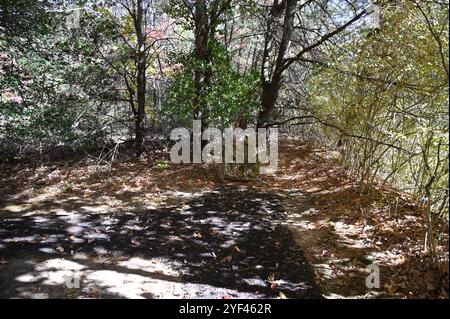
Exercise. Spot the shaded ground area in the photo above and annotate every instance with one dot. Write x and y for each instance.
(152, 229)
(223, 243)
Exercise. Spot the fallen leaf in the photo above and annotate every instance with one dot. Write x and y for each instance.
(135, 242)
(271, 277)
(197, 235)
(227, 258)
(214, 232)
(281, 295)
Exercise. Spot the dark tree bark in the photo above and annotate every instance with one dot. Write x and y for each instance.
(271, 76)
(281, 22)
(202, 53)
(205, 15)
(141, 79)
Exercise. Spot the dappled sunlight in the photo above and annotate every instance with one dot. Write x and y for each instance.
(156, 265)
(24, 239)
(353, 235)
(280, 234)
(53, 272)
(224, 149)
(131, 286)
(198, 248)
(342, 230)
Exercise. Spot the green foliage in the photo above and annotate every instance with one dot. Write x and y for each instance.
(52, 86)
(231, 96)
(387, 100)
(162, 165)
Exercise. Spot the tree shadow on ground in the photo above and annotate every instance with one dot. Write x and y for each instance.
(223, 243)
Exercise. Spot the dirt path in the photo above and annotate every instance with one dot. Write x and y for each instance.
(228, 242)
(140, 231)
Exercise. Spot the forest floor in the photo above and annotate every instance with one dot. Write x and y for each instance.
(150, 229)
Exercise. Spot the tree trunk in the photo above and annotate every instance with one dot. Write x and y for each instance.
(270, 93)
(272, 75)
(141, 80)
